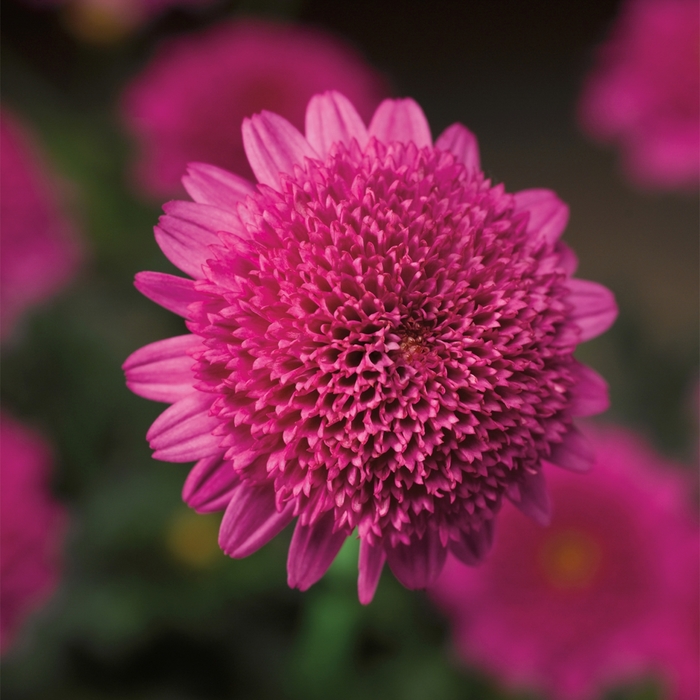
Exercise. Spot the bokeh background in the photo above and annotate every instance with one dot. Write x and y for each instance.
(147, 606)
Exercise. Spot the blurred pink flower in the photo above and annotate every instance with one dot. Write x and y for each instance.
(189, 102)
(32, 526)
(645, 92)
(606, 594)
(380, 339)
(39, 250)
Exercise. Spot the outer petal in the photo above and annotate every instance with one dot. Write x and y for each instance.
(573, 453)
(548, 214)
(594, 305)
(418, 564)
(312, 550)
(251, 520)
(567, 258)
(187, 231)
(210, 484)
(370, 567)
(590, 394)
(172, 293)
(183, 432)
(273, 146)
(401, 120)
(459, 141)
(162, 371)
(210, 218)
(331, 118)
(208, 184)
(531, 497)
(474, 545)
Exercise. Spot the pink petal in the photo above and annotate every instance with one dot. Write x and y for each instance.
(567, 258)
(530, 495)
(594, 305)
(162, 371)
(589, 396)
(331, 118)
(400, 120)
(474, 545)
(459, 141)
(172, 293)
(251, 520)
(372, 558)
(418, 564)
(210, 484)
(273, 146)
(186, 233)
(548, 214)
(183, 432)
(573, 453)
(312, 550)
(208, 184)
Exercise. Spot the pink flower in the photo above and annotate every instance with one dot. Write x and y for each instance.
(603, 596)
(380, 339)
(31, 527)
(39, 251)
(188, 103)
(645, 92)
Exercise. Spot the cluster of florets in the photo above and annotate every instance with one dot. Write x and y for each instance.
(387, 342)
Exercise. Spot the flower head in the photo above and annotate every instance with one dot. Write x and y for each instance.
(39, 251)
(645, 92)
(189, 102)
(603, 596)
(31, 526)
(380, 339)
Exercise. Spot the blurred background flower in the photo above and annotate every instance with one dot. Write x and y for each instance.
(147, 606)
(32, 526)
(600, 597)
(40, 250)
(644, 92)
(190, 101)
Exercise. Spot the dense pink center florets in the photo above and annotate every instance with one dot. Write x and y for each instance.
(388, 342)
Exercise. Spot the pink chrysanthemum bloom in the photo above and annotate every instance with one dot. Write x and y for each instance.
(39, 251)
(381, 339)
(187, 104)
(603, 596)
(645, 92)
(31, 526)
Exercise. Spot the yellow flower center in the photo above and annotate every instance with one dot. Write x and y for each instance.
(570, 559)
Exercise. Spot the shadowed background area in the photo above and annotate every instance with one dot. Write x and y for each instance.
(148, 607)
